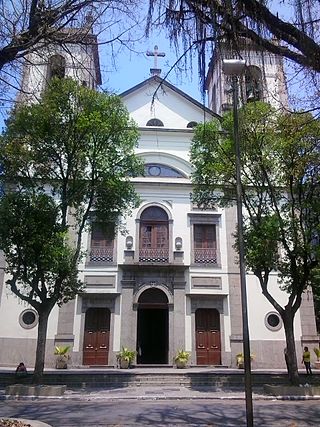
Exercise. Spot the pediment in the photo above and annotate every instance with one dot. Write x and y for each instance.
(156, 101)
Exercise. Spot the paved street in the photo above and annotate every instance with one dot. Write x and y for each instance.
(168, 403)
(70, 413)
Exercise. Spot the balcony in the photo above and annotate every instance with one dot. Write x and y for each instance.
(157, 255)
(101, 256)
(205, 256)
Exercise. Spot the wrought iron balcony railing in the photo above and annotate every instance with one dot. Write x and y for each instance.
(160, 255)
(101, 255)
(205, 256)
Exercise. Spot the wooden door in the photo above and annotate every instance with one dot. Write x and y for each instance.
(208, 343)
(96, 336)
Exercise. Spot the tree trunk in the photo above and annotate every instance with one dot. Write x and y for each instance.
(41, 346)
(291, 347)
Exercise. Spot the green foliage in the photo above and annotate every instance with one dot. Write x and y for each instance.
(126, 354)
(240, 358)
(261, 237)
(182, 356)
(81, 143)
(39, 259)
(280, 175)
(213, 154)
(62, 351)
(280, 156)
(68, 160)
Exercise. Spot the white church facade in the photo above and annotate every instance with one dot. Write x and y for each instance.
(173, 281)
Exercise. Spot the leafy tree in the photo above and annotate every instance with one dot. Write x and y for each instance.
(41, 264)
(280, 193)
(75, 148)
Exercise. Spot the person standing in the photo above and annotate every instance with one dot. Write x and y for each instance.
(306, 360)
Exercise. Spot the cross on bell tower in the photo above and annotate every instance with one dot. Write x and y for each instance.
(155, 71)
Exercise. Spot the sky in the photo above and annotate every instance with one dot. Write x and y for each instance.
(132, 68)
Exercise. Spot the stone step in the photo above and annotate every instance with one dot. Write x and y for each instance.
(132, 378)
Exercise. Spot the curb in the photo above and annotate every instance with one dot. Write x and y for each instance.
(153, 398)
(31, 423)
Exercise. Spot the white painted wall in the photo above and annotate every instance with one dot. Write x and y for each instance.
(166, 106)
(259, 307)
(11, 308)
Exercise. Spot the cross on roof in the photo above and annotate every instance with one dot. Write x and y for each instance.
(155, 71)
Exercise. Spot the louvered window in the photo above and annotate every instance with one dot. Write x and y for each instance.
(101, 246)
(205, 244)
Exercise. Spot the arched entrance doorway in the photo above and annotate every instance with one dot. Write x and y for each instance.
(96, 336)
(208, 342)
(152, 327)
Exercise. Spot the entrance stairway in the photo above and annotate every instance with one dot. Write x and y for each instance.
(191, 377)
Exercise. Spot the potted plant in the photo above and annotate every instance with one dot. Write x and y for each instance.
(125, 357)
(240, 359)
(62, 356)
(181, 358)
(317, 353)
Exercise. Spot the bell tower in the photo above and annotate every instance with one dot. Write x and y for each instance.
(73, 54)
(263, 78)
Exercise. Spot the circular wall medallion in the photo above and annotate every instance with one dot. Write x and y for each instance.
(28, 319)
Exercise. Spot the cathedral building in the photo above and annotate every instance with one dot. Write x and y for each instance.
(173, 281)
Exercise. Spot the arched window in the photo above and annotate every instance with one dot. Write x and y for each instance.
(154, 235)
(56, 67)
(192, 125)
(158, 170)
(253, 84)
(154, 122)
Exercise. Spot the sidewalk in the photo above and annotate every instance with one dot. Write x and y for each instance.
(160, 391)
(155, 393)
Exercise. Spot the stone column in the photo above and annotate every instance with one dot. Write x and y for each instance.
(177, 317)
(2, 267)
(65, 334)
(234, 286)
(309, 337)
(128, 330)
